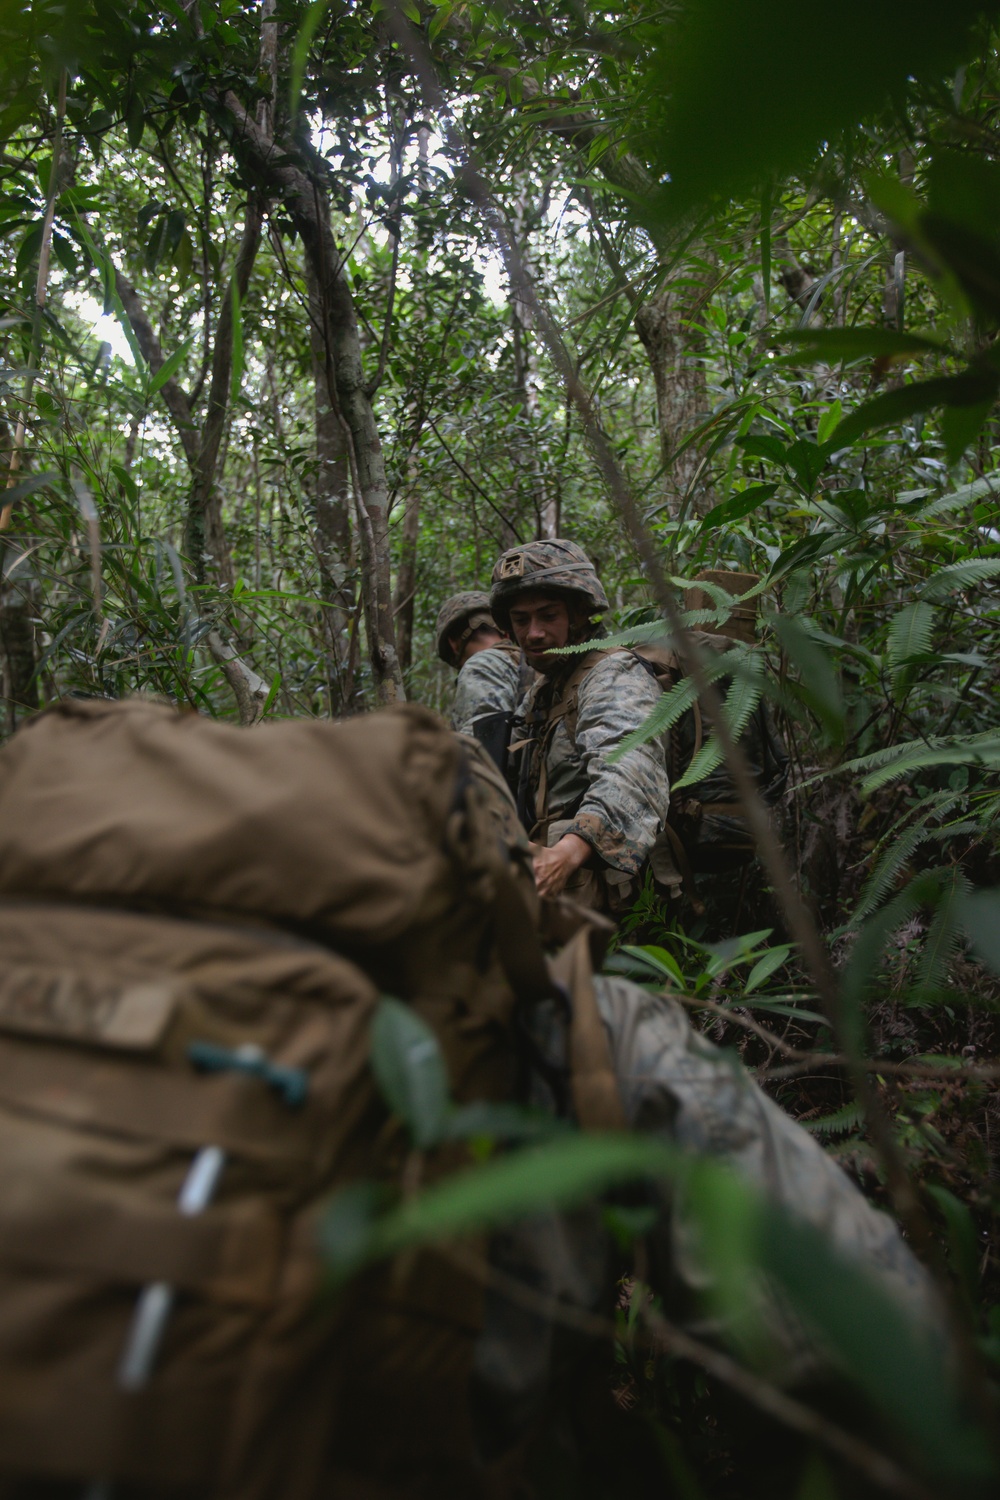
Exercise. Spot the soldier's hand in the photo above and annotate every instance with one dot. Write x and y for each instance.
(553, 867)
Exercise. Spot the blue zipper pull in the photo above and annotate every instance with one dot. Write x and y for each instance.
(291, 1083)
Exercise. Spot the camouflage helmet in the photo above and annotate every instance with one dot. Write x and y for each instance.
(471, 611)
(559, 566)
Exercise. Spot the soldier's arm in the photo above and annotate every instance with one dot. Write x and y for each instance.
(626, 803)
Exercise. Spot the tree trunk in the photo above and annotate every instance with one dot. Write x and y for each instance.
(20, 604)
(331, 499)
(681, 394)
(406, 575)
(251, 691)
(525, 217)
(305, 203)
(204, 531)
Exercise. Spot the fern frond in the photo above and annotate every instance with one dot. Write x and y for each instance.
(910, 634)
(849, 1117)
(975, 751)
(664, 716)
(741, 700)
(961, 575)
(941, 941)
(945, 505)
(883, 877)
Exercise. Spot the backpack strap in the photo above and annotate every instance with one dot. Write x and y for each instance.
(597, 1100)
(564, 709)
(594, 1084)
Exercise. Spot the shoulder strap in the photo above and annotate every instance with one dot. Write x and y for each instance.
(563, 708)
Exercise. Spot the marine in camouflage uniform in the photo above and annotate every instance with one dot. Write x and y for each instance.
(492, 677)
(567, 785)
(677, 1086)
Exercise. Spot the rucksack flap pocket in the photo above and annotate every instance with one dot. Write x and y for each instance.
(70, 1005)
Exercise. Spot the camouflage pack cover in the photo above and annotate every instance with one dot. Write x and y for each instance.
(557, 565)
(471, 609)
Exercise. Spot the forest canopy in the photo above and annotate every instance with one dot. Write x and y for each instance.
(312, 309)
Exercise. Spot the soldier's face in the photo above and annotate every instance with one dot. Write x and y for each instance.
(540, 624)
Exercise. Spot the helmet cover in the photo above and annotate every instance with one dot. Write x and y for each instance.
(470, 610)
(552, 566)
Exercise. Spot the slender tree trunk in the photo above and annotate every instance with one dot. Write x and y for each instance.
(20, 606)
(406, 574)
(331, 500)
(304, 202)
(526, 216)
(681, 394)
(204, 531)
(250, 691)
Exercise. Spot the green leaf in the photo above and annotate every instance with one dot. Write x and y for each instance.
(765, 245)
(882, 879)
(300, 52)
(829, 344)
(819, 684)
(407, 1062)
(828, 422)
(169, 368)
(897, 1360)
(741, 93)
(963, 1241)
(671, 707)
(979, 750)
(968, 494)
(135, 119)
(806, 551)
(559, 1174)
(773, 960)
(970, 389)
(103, 263)
(439, 22)
(941, 939)
(27, 486)
(849, 1117)
(737, 506)
(962, 575)
(655, 961)
(979, 914)
(961, 425)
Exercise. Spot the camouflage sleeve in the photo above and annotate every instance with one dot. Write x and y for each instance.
(487, 684)
(625, 806)
(674, 1082)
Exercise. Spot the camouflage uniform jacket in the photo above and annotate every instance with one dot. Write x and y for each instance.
(489, 683)
(619, 809)
(677, 1085)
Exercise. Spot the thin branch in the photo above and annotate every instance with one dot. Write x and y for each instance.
(383, 353)
(784, 1408)
(177, 401)
(476, 486)
(674, 1341)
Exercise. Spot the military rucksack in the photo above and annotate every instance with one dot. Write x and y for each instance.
(196, 922)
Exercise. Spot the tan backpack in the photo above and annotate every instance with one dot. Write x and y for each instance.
(195, 925)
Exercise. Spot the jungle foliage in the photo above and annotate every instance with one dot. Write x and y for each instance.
(269, 394)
